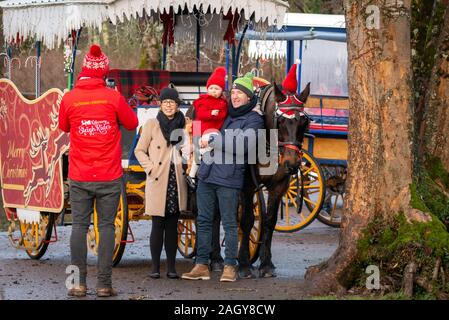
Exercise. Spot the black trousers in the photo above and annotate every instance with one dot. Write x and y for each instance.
(164, 231)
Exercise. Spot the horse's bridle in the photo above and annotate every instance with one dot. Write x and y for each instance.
(281, 110)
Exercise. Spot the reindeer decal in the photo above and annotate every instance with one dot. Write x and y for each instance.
(44, 172)
(39, 145)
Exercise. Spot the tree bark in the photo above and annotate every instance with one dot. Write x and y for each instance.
(436, 116)
(380, 131)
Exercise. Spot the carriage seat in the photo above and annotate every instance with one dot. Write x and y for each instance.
(328, 113)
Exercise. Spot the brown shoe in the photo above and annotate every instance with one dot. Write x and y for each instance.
(199, 272)
(229, 274)
(80, 291)
(106, 292)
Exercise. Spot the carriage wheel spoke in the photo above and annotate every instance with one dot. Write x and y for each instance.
(310, 201)
(293, 200)
(335, 204)
(307, 182)
(307, 171)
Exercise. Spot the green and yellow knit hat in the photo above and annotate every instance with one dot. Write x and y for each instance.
(245, 84)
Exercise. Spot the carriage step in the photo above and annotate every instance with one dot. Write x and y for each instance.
(130, 231)
(55, 237)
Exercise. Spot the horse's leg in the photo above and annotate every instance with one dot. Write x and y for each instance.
(266, 267)
(246, 224)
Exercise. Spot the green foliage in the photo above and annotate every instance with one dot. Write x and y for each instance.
(432, 236)
(383, 240)
(436, 170)
(393, 243)
(416, 201)
(429, 193)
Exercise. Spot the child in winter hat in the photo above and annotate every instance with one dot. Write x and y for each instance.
(210, 113)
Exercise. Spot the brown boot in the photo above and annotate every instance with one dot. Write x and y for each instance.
(229, 274)
(106, 292)
(199, 272)
(80, 291)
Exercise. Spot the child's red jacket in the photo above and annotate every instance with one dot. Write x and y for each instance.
(203, 112)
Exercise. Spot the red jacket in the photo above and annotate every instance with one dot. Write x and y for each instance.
(203, 112)
(91, 112)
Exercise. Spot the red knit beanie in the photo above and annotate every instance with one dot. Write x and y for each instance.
(290, 83)
(217, 78)
(95, 64)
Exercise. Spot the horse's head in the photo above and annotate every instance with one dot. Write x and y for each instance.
(291, 121)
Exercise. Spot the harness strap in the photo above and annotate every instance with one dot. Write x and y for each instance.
(264, 95)
(300, 196)
(292, 146)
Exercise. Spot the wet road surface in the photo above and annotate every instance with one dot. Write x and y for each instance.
(23, 278)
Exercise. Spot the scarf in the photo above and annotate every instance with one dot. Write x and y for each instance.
(242, 110)
(168, 125)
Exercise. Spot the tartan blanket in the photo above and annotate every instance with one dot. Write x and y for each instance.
(127, 81)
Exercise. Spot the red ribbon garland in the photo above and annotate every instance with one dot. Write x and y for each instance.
(169, 28)
(232, 26)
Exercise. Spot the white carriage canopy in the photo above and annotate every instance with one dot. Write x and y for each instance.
(52, 21)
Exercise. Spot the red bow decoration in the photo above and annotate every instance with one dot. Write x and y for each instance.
(169, 27)
(232, 26)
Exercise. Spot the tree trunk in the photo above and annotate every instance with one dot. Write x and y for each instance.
(380, 130)
(436, 117)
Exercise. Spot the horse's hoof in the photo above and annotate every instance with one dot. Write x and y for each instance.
(245, 273)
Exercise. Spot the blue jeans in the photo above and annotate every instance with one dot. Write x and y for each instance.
(228, 198)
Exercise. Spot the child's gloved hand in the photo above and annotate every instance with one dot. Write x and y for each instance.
(215, 112)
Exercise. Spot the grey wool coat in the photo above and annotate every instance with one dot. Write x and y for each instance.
(155, 157)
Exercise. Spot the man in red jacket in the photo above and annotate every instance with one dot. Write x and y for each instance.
(92, 113)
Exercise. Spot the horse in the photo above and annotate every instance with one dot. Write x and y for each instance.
(284, 113)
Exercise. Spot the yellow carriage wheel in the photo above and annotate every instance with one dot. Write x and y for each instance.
(289, 220)
(187, 238)
(256, 233)
(121, 230)
(35, 237)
